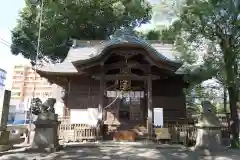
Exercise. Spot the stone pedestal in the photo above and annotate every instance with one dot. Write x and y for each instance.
(209, 138)
(4, 141)
(4, 134)
(208, 133)
(46, 133)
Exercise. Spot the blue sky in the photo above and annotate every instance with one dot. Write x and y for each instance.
(9, 10)
(8, 14)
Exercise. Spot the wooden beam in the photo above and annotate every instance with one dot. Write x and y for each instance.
(130, 64)
(126, 77)
(159, 65)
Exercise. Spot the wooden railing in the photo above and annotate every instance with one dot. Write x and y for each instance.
(187, 133)
(180, 131)
(77, 132)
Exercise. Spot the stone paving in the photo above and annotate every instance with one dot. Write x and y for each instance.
(116, 153)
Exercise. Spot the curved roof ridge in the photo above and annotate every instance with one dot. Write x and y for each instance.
(129, 38)
(151, 47)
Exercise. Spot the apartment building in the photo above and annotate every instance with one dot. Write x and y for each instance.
(24, 81)
(2, 84)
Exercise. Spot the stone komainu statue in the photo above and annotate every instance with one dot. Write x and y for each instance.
(38, 107)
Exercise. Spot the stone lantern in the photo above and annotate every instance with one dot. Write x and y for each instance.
(208, 130)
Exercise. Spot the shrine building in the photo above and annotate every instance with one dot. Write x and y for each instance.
(123, 78)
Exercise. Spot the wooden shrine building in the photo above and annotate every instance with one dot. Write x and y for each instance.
(124, 78)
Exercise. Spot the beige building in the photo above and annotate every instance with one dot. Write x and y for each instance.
(24, 81)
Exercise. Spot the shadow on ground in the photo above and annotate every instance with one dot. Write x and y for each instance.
(75, 153)
(117, 153)
(178, 154)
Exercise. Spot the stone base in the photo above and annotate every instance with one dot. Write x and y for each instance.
(45, 137)
(208, 141)
(4, 141)
(4, 137)
(5, 147)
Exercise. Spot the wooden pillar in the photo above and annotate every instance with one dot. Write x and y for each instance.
(66, 98)
(101, 96)
(149, 105)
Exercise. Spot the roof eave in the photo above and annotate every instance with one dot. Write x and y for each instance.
(41, 72)
(97, 58)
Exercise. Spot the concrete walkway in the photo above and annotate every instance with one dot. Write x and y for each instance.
(117, 153)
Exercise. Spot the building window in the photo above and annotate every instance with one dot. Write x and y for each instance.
(15, 98)
(16, 93)
(15, 88)
(19, 73)
(45, 94)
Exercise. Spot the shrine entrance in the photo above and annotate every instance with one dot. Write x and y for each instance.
(128, 109)
(127, 114)
(124, 109)
(126, 79)
(128, 65)
(125, 70)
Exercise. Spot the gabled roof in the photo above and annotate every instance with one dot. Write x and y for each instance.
(87, 51)
(125, 40)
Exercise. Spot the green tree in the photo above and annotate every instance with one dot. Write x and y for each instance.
(79, 19)
(165, 11)
(214, 24)
(185, 54)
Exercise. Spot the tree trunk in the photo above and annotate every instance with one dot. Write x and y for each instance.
(233, 99)
(225, 99)
(225, 105)
(231, 72)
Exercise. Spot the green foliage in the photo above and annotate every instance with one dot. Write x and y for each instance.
(214, 25)
(79, 19)
(164, 34)
(153, 35)
(194, 110)
(220, 108)
(166, 11)
(168, 35)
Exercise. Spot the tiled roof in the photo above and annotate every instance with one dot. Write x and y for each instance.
(85, 51)
(64, 67)
(129, 38)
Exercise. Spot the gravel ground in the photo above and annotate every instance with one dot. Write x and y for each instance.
(118, 153)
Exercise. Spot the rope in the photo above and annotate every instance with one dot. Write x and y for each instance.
(111, 102)
(109, 105)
